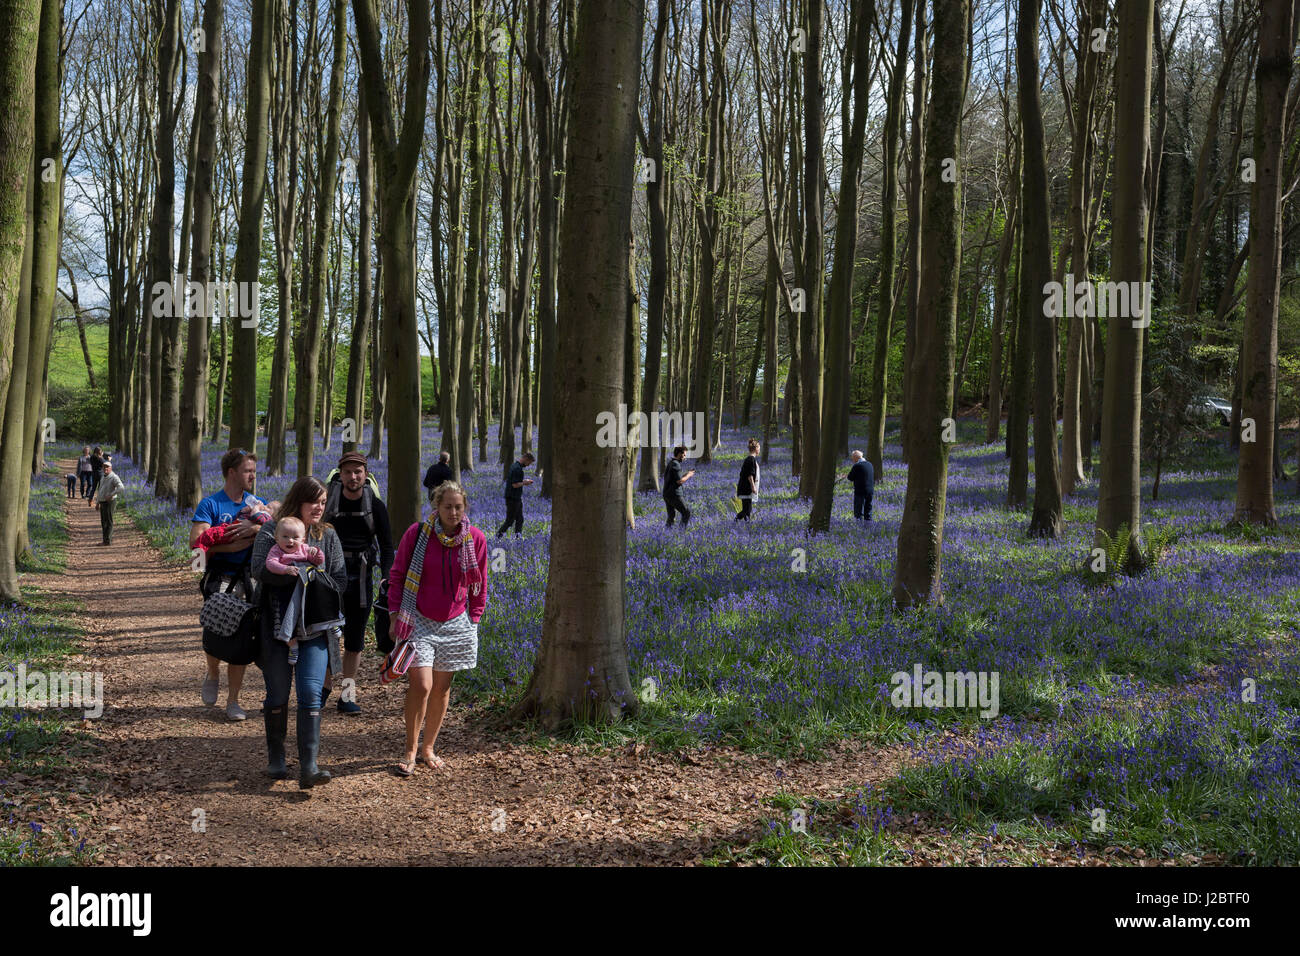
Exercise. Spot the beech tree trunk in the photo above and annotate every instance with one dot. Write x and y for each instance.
(581, 671)
(1035, 273)
(248, 250)
(839, 314)
(1263, 281)
(877, 407)
(396, 160)
(1119, 496)
(917, 576)
(309, 347)
(194, 397)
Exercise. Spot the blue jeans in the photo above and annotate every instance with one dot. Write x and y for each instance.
(83, 487)
(313, 657)
(862, 506)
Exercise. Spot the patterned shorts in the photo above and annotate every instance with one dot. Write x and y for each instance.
(445, 645)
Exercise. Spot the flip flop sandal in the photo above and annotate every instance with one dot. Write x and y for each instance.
(430, 764)
(406, 768)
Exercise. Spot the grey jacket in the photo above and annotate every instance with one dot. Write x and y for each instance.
(275, 596)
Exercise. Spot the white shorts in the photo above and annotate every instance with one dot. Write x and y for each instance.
(445, 645)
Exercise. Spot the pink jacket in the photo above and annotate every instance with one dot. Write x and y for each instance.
(443, 592)
(282, 562)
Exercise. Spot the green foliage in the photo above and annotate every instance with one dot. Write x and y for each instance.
(80, 413)
(1152, 545)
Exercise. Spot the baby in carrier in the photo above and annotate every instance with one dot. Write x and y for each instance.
(289, 553)
(216, 535)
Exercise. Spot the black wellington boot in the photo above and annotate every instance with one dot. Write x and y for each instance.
(277, 728)
(309, 775)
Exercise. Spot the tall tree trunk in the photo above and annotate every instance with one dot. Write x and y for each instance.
(712, 179)
(811, 353)
(223, 370)
(19, 30)
(876, 409)
(656, 212)
(304, 416)
(166, 15)
(839, 312)
(396, 160)
(1119, 496)
(538, 56)
(1006, 247)
(47, 206)
(1074, 432)
(1035, 273)
(478, 169)
(13, 471)
(631, 381)
(359, 346)
(194, 400)
(248, 249)
(1021, 377)
(915, 217)
(917, 577)
(581, 671)
(1263, 281)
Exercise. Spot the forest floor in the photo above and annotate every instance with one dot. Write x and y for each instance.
(175, 783)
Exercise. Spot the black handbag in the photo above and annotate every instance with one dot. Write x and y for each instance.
(230, 626)
(379, 616)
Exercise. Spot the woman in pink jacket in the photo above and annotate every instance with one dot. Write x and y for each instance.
(437, 592)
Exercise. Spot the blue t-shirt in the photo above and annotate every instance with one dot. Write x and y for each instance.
(219, 508)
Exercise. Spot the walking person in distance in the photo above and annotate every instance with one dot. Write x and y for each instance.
(862, 478)
(673, 481)
(438, 472)
(514, 494)
(748, 483)
(105, 500)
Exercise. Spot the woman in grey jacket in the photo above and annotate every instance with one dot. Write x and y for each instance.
(306, 501)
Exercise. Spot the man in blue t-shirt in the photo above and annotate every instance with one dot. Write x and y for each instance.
(226, 560)
(863, 478)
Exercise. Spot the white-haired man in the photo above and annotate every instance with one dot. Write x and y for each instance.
(863, 479)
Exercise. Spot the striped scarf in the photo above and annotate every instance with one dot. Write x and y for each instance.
(403, 624)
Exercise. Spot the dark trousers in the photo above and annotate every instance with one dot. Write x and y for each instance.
(746, 509)
(356, 615)
(106, 518)
(84, 483)
(674, 504)
(862, 506)
(514, 515)
(308, 674)
(94, 483)
(72, 486)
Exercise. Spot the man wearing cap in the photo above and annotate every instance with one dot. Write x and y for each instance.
(361, 521)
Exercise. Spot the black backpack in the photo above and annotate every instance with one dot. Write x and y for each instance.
(369, 492)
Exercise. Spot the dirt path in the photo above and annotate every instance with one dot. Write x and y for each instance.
(165, 756)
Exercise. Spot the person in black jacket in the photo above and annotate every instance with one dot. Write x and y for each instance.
(514, 495)
(438, 472)
(673, 481)
(747, 485)
(96, 472)
(361, 521)
(863, 479)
